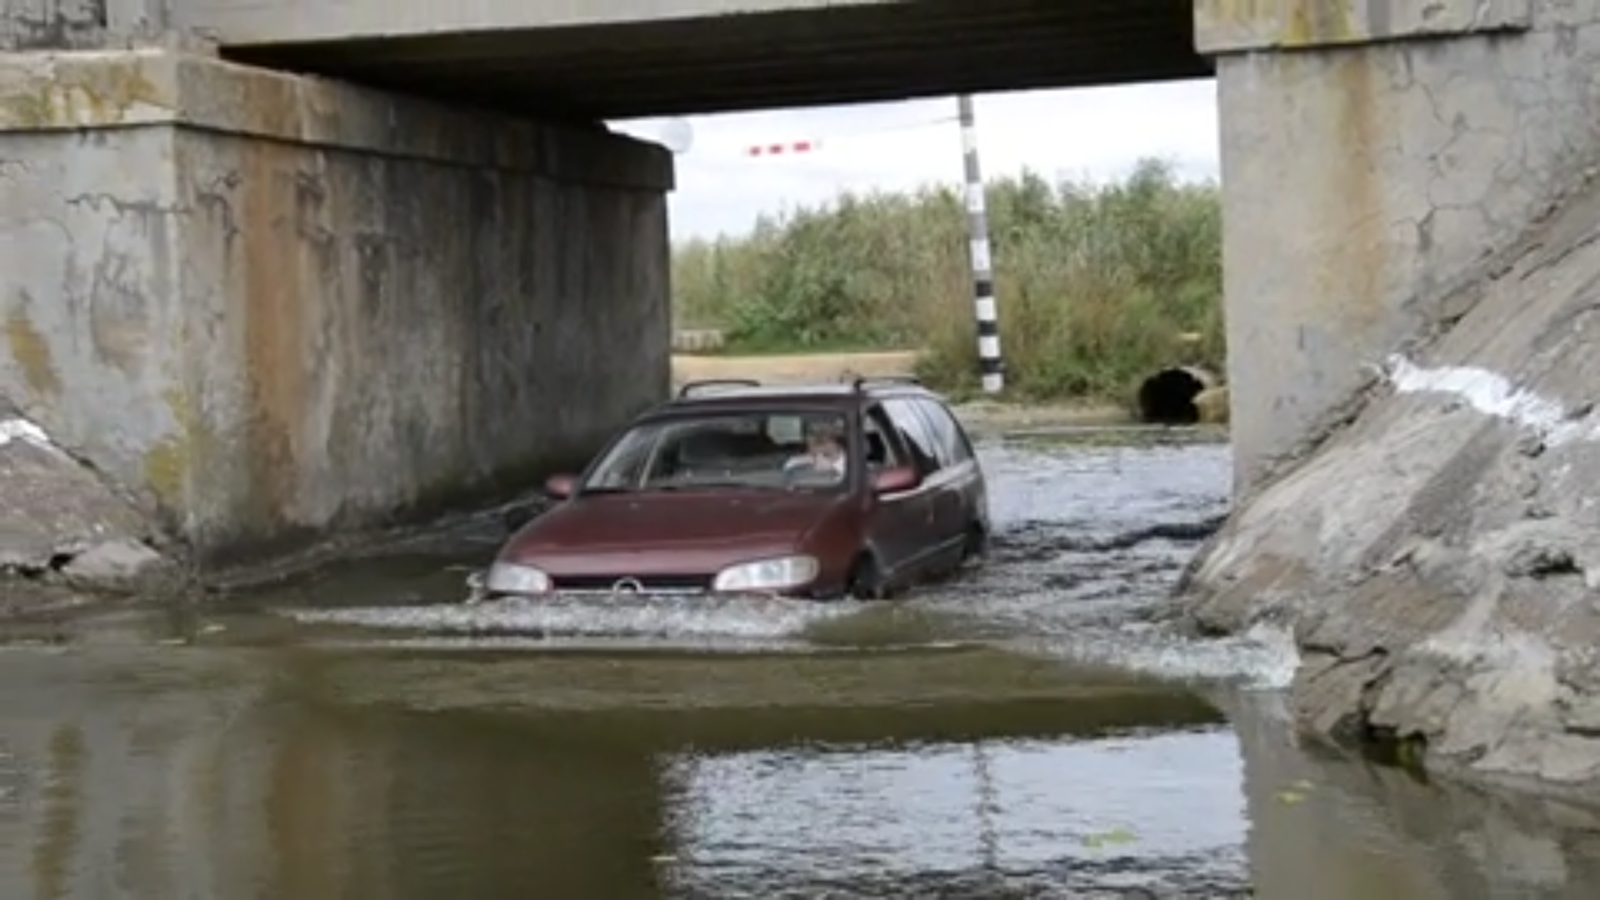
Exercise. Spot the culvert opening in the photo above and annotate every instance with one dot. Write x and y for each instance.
(1167, 397)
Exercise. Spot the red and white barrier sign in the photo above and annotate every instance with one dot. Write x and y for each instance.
(782, 149)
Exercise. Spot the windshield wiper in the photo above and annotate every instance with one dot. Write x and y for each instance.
(715, 486)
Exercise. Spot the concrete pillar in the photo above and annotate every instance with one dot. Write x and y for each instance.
(1373, 155)
(280, 305)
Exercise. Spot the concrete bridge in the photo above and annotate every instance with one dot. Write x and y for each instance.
(293, 265)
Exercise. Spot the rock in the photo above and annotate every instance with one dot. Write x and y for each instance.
(1439, 558)
(1213, 405)
(60, 522)
(119, 565)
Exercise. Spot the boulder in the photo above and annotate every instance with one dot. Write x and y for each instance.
(1213, 405)
(1438, 558)
(60, 522)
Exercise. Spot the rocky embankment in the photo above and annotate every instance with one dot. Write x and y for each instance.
(1439, 556)
(62, 526)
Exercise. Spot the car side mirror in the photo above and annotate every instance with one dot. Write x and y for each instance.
(559, 487)
(894, 480)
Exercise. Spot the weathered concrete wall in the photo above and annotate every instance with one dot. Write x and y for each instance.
(84, 24)
(1372, 152)
(283, 305)
(1439, 558)
(30, 24)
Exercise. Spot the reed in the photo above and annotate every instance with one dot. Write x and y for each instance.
(1098, 284)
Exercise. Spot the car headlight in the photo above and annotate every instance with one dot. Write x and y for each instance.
(514, 578)
(767, 574)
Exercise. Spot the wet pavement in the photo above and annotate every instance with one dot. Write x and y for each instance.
(1030, 731)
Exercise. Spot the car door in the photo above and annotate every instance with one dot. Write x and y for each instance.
(897, 521)
(942, 529)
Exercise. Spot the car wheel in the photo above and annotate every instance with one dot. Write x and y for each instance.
(867, 581)
(977, 544)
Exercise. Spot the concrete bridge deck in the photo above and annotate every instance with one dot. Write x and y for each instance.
(626, 58)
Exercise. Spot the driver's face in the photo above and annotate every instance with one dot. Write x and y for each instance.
(824, 446)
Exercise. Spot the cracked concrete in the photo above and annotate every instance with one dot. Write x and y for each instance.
(274, 307)
(1364, 181)
(1438, 555)
(55, 24)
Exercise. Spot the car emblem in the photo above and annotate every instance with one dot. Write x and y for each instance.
(627, 586)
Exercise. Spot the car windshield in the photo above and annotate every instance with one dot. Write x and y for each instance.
(767, 449)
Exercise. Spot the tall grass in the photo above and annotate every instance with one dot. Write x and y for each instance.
(1098, 284)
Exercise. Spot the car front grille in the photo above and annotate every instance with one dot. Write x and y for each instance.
(647, 583)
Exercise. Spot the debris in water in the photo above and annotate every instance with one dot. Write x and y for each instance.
(1295, 792)
(1115, 836)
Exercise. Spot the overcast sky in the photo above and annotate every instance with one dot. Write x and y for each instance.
(1094, 132)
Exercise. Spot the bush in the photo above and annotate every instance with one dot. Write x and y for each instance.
(1098, 285)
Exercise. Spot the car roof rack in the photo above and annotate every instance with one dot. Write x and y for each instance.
(691, 387)
(861, 382)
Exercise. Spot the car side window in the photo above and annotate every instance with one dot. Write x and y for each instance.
(947, 430)
(882, 450)
(940, 449)
(918, 436)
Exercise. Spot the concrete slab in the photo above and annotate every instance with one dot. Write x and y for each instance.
(620, 60)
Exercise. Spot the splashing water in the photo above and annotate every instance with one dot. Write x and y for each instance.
(1263, 658)
(639, 616)
(1088, 542)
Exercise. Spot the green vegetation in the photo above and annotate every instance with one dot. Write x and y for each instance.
(1098, 285)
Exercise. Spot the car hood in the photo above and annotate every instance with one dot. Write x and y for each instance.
(690, 533)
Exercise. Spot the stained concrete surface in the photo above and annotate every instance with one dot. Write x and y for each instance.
(1370, 163)
(26, 24)
(274, 307)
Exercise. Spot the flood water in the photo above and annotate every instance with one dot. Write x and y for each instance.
(1026, 732)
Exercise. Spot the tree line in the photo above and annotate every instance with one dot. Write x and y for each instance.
(1099, 284)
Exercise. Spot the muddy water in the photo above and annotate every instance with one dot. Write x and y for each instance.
(1026, 732)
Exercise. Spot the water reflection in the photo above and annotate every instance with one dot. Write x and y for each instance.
(990, 815)
(292, 773)
(1324, 829)
(113, 785)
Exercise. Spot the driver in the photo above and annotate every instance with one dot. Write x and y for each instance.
(824, 451)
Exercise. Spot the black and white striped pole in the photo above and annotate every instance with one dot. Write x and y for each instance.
(990, 364)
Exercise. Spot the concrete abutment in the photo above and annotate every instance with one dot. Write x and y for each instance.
(1411, 277)
(1373, 154)
(278, 306)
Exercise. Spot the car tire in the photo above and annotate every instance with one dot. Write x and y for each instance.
(977, 545)
(866, 580)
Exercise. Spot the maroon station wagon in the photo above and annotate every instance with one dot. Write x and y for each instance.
(856, 489)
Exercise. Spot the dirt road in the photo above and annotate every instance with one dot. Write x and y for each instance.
(782, 368)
